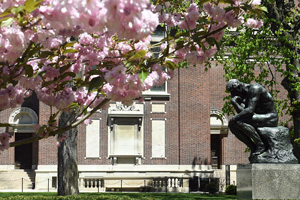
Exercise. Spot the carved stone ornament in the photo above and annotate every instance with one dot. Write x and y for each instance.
(122, 107)
(220, 115)
(22, 119)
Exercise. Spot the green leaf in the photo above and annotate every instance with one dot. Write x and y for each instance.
(170, 64)
(47, 83)
(96, 83)
(28, 70)
(180, 34)
(31, 5)
(7, 22)
(16, 10)
(138, 55)
(95, 72)
(203, 1)
(227, 1)
(143, 75)
(70, 44)
(45, 54)
(6, 12)
(263, 8)
(74, 106)
(33, 51)
(64, 68)
(211, 41)
(70, 51)
(71, 74)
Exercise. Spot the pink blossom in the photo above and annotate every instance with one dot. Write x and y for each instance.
(88, 121)
(253, 23)
(256, 2)
(85, 39)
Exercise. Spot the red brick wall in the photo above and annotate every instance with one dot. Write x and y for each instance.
(233, 151)
(47, 147)
(194, 115)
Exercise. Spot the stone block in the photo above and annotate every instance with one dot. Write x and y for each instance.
(268, 181)
(279, 147)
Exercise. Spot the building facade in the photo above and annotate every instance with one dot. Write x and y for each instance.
(176, 140)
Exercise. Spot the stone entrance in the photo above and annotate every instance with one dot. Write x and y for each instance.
(23, 120)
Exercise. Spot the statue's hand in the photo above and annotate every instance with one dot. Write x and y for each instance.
(233, 119)
(236, 99)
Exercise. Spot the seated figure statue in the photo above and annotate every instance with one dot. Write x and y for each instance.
(255, 124)
(255, 108)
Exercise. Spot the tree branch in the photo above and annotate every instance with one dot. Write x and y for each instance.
(58, 131)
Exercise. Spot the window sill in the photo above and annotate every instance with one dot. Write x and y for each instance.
(156, 95)
(125, 156)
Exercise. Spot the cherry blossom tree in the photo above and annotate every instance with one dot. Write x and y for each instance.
(80, 54)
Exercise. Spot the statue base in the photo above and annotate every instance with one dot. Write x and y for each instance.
(268, 181)
(279, 147)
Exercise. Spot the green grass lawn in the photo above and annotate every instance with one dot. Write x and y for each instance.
(113, 196)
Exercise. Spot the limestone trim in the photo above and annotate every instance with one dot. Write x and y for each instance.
(162, 136)
(93, 140)
(218, 122)
(23, 119)
(158, 108)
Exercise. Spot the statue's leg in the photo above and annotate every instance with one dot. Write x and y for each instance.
(265, 120)
(250, 131)
(238, 132)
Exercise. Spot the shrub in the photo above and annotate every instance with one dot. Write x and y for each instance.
(230, 189)
(211, 188)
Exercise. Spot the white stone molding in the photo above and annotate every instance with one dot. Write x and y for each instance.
(218, 122)
(22, 120)
(118, 109)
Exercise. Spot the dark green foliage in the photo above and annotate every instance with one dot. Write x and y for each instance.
(75, 197)
(230, 189)
(212, 188)
(113, 196)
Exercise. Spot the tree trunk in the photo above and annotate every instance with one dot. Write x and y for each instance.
(281, 13)
(296, 120)
(67, 160)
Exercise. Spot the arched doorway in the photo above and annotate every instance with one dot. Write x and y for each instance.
(218, 128)
(22, 120)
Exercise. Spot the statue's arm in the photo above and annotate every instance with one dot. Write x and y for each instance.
(253, 95)
(237, 103)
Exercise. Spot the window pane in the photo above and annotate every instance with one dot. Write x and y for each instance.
(161, 88)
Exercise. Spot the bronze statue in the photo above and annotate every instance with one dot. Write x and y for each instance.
(255, 123)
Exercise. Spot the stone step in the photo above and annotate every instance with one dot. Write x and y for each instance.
(16, 179)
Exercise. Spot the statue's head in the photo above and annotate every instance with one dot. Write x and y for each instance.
(234, 85)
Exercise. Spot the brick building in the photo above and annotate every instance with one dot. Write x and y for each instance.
(176, 137)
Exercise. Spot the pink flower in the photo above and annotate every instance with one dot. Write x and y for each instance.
(85, 39)
(253, 23)
(256, 2)
(88, 121)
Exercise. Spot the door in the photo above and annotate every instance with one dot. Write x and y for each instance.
(23, 153)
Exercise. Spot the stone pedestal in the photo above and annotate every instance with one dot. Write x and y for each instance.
(268, 181)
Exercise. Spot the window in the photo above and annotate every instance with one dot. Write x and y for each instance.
(158, 35)
(54, 182)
